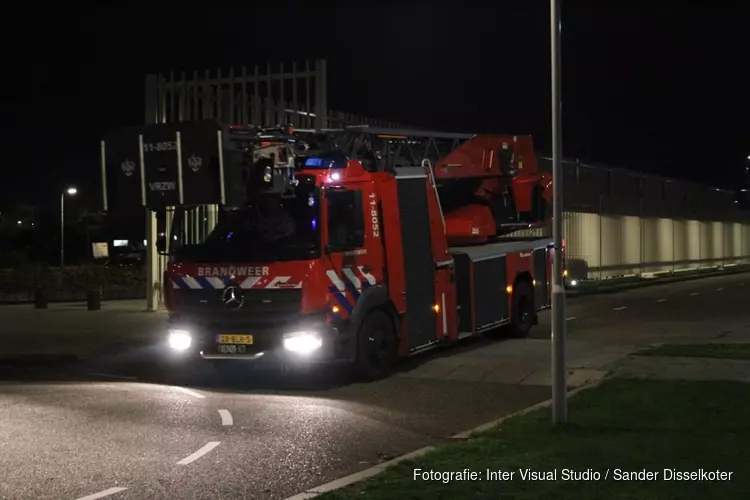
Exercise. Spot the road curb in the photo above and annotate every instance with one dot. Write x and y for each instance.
(377, 469)
(358, 476)
(603, 288)
(543, 404)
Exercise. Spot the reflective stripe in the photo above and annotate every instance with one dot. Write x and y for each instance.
(216, 282)
(369, 277)
(350, 275)
(278, 281)
(191, 283)
(341, 299)
(249, 282)
(340, 285)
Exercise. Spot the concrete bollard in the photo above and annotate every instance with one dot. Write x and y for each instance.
(40, 298)
(93, 300)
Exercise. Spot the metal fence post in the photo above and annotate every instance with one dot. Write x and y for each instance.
(673, 244)
(321, 98)
(151, 116)
(152, 272)
(700, 244)
(600, 215)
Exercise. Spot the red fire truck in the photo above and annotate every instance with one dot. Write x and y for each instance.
(358, 245)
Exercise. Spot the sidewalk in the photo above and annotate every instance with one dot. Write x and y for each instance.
(521, 361)
(708, 367)
(70, 329)
(590, 355)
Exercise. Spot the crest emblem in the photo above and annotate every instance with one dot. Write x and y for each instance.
(128, 167)
(195, 162)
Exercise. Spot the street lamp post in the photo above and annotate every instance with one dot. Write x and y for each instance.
(559, 384)
(70, 191)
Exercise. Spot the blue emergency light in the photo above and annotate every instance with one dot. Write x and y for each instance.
(332, 161)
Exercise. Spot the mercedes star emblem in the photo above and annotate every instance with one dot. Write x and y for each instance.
(233, 297)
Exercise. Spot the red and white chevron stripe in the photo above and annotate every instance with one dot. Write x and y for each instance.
(355, 276)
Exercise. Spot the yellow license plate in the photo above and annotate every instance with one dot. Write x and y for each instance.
(236, 339)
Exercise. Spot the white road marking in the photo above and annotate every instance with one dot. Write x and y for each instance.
(694, 293)
(719, 289)
(103, 494)
(195, 456)
(620, 308)
(109, 375)
(188, 391)
(571, 318)
(662, 300)
(226, 417)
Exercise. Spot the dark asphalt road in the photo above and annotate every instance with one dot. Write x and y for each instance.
(68, 431)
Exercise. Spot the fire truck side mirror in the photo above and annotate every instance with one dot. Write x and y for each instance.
(161, 245)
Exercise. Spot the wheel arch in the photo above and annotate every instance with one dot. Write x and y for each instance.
(524, 277)
(373, 298)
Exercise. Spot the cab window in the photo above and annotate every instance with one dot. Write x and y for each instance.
(346, 222)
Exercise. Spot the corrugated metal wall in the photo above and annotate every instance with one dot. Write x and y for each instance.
(607, 246)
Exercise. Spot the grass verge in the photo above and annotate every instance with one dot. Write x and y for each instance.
(724, 351)
(625, 425)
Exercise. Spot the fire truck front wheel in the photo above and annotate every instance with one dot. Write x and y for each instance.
(376, 346)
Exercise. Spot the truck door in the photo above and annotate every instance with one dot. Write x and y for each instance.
(353, 243)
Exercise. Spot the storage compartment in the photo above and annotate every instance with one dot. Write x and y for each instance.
(464, 288)
(490, 296)
(541, 295)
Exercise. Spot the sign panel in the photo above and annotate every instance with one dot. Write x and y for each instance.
(160, 165)
(123, 171)
(200, 163)
(100, 250)
(161, 182)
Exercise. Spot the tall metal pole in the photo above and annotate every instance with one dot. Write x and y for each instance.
(559, 386)
(62, 230)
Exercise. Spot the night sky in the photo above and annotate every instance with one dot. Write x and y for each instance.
(662, 91)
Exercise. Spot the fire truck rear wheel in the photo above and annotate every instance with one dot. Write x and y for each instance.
(376, 346)
(523, 310)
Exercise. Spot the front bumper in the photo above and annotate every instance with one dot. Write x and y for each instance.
(305, 340)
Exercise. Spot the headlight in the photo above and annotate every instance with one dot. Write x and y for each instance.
(302, 342)
(179, 340)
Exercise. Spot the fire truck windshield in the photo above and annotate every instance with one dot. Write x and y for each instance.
(272, 228)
